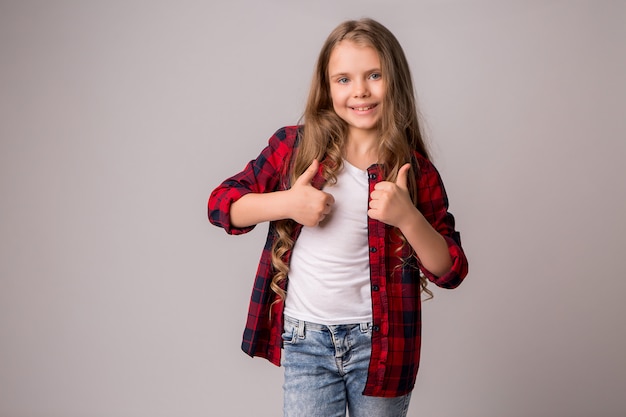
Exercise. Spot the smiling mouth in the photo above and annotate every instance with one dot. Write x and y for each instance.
(365, 108)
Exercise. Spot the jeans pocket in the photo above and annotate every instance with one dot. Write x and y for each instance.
(289, 333)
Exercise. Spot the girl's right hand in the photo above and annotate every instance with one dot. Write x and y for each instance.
(308, 205)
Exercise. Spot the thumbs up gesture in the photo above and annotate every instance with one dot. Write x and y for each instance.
(308, 205)
(390, 202)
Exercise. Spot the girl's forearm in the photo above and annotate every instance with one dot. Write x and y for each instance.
(429, 245)
(302, 202)
(256, 208)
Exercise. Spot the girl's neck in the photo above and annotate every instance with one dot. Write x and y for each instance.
(361, 150)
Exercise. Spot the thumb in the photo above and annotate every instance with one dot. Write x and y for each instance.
(307, 176)
(401, 179)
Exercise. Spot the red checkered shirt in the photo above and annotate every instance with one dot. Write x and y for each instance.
(395, 288)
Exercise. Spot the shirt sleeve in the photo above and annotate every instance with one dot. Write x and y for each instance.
(261, 175)
(433, 204)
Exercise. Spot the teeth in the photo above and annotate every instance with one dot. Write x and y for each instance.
(362, 108)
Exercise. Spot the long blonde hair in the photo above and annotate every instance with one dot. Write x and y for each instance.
(324, 133)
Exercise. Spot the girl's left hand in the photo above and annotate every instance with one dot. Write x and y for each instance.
(390, 202)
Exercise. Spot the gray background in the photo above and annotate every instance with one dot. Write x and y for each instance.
(117, 298)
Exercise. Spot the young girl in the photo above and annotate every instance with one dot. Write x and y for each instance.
(359, 223)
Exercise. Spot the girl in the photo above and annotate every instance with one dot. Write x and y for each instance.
(358, 225)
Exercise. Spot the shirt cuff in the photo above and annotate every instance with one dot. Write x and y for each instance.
(457, 272)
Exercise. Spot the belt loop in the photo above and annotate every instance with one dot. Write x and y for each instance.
(364, 327)
(301, 329)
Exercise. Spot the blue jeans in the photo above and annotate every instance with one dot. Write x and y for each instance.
(326, 369)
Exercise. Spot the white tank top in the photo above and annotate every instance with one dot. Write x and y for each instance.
(329, 275)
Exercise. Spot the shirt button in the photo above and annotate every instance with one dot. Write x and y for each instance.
(372, 249)
(372, 176)
(375, 328)
(375, 287)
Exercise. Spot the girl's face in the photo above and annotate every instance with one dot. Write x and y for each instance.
(357, 88)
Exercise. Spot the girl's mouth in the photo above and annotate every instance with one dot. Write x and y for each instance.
(364, 108)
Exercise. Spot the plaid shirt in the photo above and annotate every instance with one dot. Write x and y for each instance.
(395, 288)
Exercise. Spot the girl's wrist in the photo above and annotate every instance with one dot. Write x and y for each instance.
(411, 221)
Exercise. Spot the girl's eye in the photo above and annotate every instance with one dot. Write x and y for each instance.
(342, 80)
(375, 76)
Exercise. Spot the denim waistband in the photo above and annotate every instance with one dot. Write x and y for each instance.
(302, 324)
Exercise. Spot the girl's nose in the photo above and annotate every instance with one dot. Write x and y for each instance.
(360, 90)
